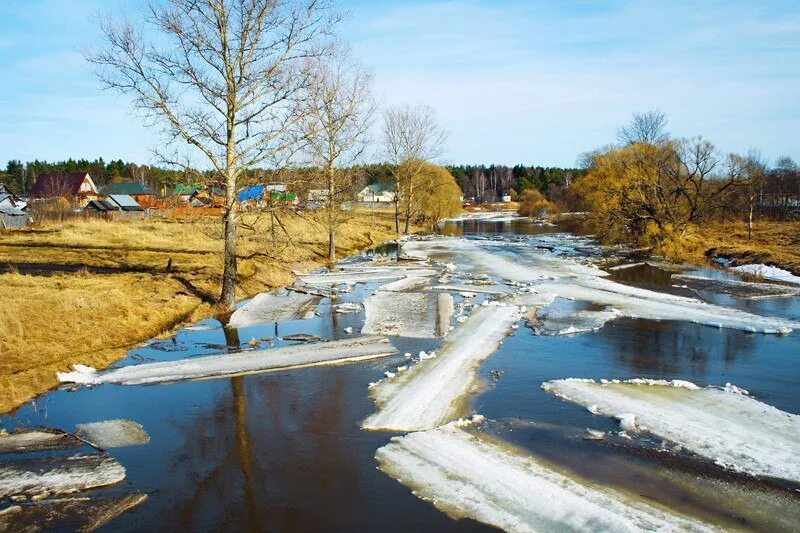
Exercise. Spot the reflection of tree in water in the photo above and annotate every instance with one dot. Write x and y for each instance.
(275, 454)
(671, 349)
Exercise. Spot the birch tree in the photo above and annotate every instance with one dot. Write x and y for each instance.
(411, 138)
(340, 111)
(226, 78)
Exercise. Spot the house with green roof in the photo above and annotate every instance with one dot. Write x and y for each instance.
(377, 192)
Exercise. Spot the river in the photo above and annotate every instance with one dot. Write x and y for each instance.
(284, 451)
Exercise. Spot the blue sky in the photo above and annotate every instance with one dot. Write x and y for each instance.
(513, 81)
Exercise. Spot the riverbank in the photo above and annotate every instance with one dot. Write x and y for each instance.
(773, 243)
(88, 291)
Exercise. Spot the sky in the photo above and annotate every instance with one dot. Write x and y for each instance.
(533, 82)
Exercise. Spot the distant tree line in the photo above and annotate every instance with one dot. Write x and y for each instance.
(492, 182)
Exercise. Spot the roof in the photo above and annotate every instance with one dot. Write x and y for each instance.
(4, 189)
(252, 192)
(128, 187)
(58, 184)
(379, 188)
(12, 211)
(124, 201)
(184, 189)
(100, 205)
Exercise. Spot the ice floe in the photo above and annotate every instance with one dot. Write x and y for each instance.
(59, 475)
(633, 302)
(271, 307)
(431, 392)
(768, 272)
(470, 476)
(305, 355)
(36, 439)
(565, 322)
(67, 513)
(732, 430)
(113, 433)
(408, 314)
(740, 289)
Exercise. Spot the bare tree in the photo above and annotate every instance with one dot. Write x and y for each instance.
(341, 108)
(649, 127)
(411, 138)
(224, 77)
(755, 168)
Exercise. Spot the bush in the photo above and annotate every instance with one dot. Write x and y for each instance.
(533, 204)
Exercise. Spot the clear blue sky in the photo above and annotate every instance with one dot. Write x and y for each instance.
(513, 81)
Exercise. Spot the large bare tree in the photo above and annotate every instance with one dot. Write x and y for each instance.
(412, 137)
(340, 111)
(226, 77)
(649, 127)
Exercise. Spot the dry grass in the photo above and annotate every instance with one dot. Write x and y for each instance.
(86, 291)
(773, 243)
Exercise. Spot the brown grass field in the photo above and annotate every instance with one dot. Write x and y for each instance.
(772, 243)
(88, 290)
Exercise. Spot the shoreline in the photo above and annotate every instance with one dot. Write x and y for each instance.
(160, 302)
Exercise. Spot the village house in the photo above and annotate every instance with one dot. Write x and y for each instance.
(144, 195)
(377, 193)
(75, 187)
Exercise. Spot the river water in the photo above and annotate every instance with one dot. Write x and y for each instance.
(284, 451)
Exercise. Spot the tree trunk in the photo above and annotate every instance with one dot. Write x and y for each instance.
(227, 301)
(750, 219)
(408, 206)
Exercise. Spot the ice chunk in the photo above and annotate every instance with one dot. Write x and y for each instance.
(768, 272)
(469, 476)
(37, 439)
(431, 392)
(740, 289)
(365, 275)
(732, 430)
(298, 356)
(407, 314)
(347, 307)
(564, 322)
(114, 433)
(67, 514)
(271, 307)
(499, 290)
(59, 475)
(634, 302)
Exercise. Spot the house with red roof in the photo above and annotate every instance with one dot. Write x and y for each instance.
(76, 187)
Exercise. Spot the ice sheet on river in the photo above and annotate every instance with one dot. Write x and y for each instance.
(305, 355)
(730, 429)
(36, 439)
(59, 475)
(566, 322)
(408, 314)
(634, 302)
(468, 475)
(114, 433)
(746, 290)
(271, 307)
(365, 275)
(431, 392)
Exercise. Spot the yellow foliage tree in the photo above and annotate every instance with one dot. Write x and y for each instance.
(533, 204)
(436, 196)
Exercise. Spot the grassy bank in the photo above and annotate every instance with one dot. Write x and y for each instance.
(87, 291)
(772, 243)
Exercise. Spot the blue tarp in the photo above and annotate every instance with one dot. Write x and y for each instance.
(252, 192)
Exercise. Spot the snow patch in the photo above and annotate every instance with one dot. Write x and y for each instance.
(768, 272)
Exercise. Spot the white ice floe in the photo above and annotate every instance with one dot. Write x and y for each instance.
(36, 439)
(768, 272)
(565, 322)
(354, 276)
(470, 476)
(271, 307)
(298, 356)
(499, 290)
(347, 307)
(732, 430)
(432, 392)
(113, 433)
(740, 289)
(633, 302)
(408, 314)
(59, 475)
